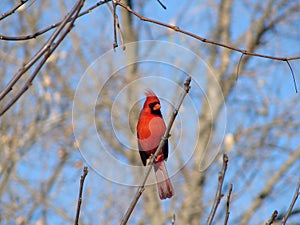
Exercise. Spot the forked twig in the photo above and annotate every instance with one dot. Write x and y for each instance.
(158, 150)
(45, 52)
(52, 26)
(82, 178)
(71, 19)
(205, 40)
(116, 26)
(219, 194)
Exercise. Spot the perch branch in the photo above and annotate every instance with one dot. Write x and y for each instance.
(158, 150)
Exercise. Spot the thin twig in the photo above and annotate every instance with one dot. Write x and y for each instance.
(158, 150)
(177, 29)
(120, 34)
(82, 178)
(238, 68)
(269, 186)
(273, 217)
(228, 205)
(295, 212)
(13, 10)
(42, 55)
(173, 27)
(219, 194)
(162, 5)
(285, 218)
(173, 219)
(115, 44)
(116, 25)
(293, 75)
(52, 26)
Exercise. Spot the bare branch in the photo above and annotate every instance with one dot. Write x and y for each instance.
(293, 75)
(42, 55)
(227, 205)
(219, 194)
(173, 219)
(85, 172)
(177, 29)
(115, 44)
(273, 217)
(158, 150)
(285, 218)
(116, 26)
(293, 213)
(238, 67)
(52, 26)
(162, 5)
(13, 10)
(267, 190)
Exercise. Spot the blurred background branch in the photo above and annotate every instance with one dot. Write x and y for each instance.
(39, 158)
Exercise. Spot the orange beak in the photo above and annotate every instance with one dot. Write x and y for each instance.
(156, 107)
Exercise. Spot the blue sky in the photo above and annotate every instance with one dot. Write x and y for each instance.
(271, 84)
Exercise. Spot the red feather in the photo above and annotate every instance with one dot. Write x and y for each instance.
(150, 128)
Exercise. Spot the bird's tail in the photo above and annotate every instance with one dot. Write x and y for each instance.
(164, 186)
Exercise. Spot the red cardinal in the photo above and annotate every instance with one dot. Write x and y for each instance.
(150, 128)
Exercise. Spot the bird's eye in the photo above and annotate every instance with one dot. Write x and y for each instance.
(151, 105)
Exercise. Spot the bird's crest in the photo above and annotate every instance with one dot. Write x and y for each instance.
(149, 93)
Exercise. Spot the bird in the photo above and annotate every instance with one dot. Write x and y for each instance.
(150, 129)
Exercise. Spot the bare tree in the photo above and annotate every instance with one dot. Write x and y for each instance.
(40, 162)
